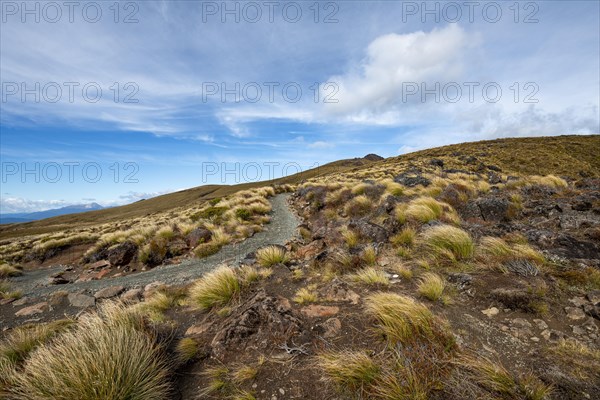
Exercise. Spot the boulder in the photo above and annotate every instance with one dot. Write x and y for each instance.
(310, 250)
(34, 309)
(436, 162)
(109, 292)
(197, 236)
(493, 209)
(81, 300)
(122, 253)
(330, 328)
(369, 230)
(132, 295)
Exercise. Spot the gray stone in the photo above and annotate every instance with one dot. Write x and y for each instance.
(574, 313)
(109, 292)
(34, 309)
(81, 300)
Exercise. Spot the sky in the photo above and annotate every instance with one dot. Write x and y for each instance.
(111, 103)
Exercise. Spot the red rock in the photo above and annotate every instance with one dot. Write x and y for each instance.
(101, 274)
(195, 330)
(317, 311)
(99, 264)
(310, 250)
(34, 309)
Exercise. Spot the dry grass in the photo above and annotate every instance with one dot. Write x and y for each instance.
(578, 359)
(7, 293)
(186, 350)
(306, 295)
(403, 320)
(9, 271)
(448, 241)
(271, 255)
(350, 237)
(216, 288)
(109, 355)
(431, 286)
(369, 255)
(351, 371)
(359, 206)
(370, 276)
(406, 237)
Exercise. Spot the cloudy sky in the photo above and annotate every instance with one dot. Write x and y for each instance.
(112, 104)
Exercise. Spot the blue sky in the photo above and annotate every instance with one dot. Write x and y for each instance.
(371, 60)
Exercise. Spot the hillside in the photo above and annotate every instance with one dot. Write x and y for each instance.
(469, 271)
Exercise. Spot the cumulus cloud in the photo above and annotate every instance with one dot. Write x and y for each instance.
(20, 205)
(375, 86)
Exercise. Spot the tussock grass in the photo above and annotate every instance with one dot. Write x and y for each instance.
(9, 271)
(216, 288)
(243, 373)
(370, 276)
(350, 237)
(404, 271)
(492, 376)
(306, 295)
(248, 275)
(348, 370)
(359, 206)
(450, 242)
(579, 360)
(271, 255)
(403, 320)
(406, 237)
(369, 255)
(186, 350)
(548, 180)
(431, 286)
(109, 355)
(497, 252)
(7, 293)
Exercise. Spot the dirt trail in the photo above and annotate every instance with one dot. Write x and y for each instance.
(281, 229)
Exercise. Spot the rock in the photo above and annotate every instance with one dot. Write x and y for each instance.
(577, 330)
(540, 324)
(150, 288)
(81, 300)
(592, 310)
(99, 264)
(132, 295)
(109, 292)
(594, 296)
(21, 302)
(552, 335)
(582, 206)
(578, 301)
(369, 230)
(490, 312)
(520, 323)
(6, 301)
(331, 327)
(373, 157)
(574, 313)
(197, 236)
(122, 253)
(412, 180)
(494, 178)
(253, 325)
(58, 279)
(339, 291)
(319, 311)
(177, 247)
(436, 162)
(196, 330)
(101, 274)
(461, 280)
(34, 309)
(535, 339)
(493, 209)
(310, 250)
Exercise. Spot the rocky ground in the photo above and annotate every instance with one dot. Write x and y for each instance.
(517, 314)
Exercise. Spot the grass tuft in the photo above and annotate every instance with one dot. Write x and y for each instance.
(449, 241)
(216, 288)
(431, 286)
(272, 255)
(370, 276)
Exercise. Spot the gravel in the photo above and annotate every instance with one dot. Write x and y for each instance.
(281, 229)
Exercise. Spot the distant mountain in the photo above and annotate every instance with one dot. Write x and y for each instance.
(12, 218)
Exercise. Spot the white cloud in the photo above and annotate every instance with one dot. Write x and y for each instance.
(375, 86)
(21, 205)
(319, 144)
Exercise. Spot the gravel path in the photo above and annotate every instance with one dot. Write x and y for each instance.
(281, 229)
